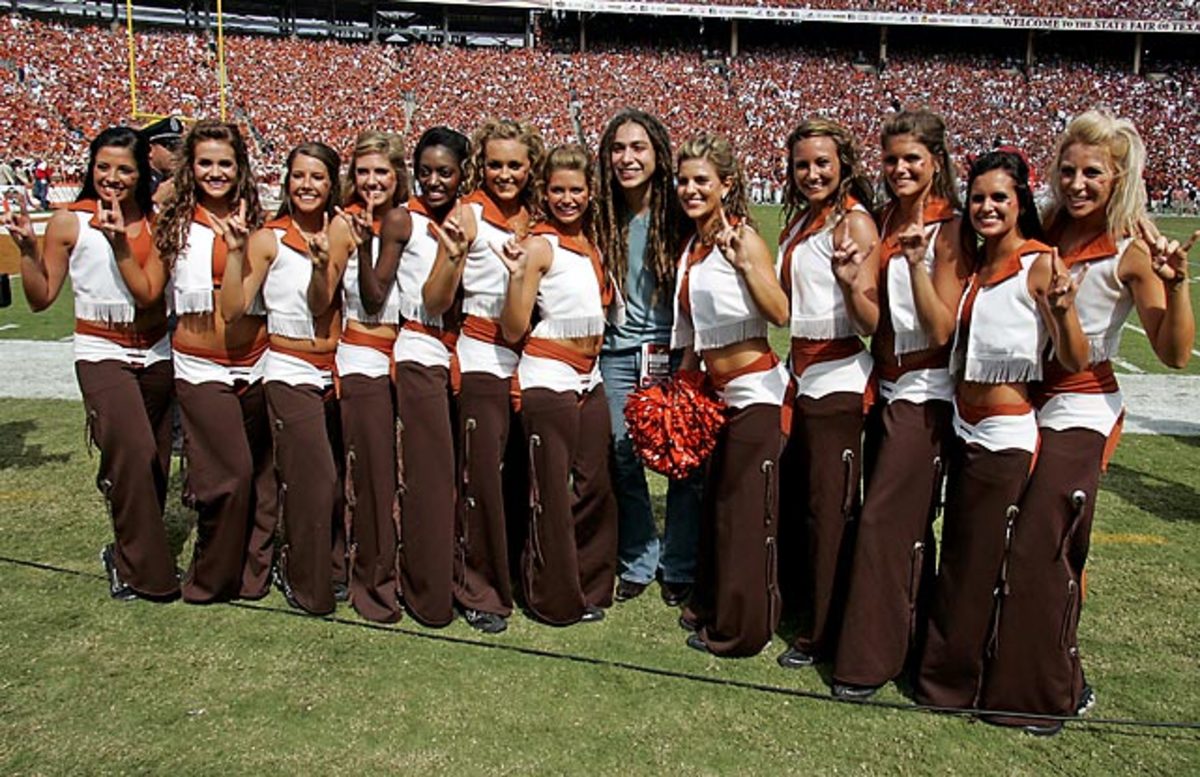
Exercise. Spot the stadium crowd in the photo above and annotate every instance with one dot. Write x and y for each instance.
(1076, 9)
(62, 84)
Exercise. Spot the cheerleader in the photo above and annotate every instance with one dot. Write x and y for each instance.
(505, 157)
(218, 369)
(425, 374)
(828, 264)
(638, 221)
(364, 552)
(726, 293)
(122, 352)
(286, 259)
(1019, 299)
(569, 559)
(1098, 222)
(922, 275)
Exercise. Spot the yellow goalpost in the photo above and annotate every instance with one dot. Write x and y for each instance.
(131, 43)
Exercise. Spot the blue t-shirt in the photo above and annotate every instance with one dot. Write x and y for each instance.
(647, 320)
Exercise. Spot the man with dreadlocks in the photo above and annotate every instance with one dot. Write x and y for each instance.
(638, 224)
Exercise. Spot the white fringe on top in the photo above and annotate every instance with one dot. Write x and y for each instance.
(484, 305)
(297, 327)
(1103, 347)
(998, 370)
(584, 326)
(728, 334)
(823, 328)
(197, 301)
(105, 312)
(910, 342)
(414, 310)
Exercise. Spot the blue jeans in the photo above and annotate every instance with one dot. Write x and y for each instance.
(640, 552)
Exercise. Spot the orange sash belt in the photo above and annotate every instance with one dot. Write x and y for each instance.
(1096, 379)
(124, 337)
(367, 340)
(447, 338)
(806, 353)
(488, 331)
(246, 356)
(550, 349)
(764, 362)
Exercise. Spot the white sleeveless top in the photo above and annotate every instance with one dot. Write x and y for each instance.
(191, 281)
(568, 298)
(818, 305)
(355, 310)
(722, 309)
(416, 262)
(1005, 335)
(902, 309)
(285, 291)
(1103, 302)
(485, 278)
(100, 292)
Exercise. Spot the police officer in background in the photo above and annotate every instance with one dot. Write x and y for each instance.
(164, 138)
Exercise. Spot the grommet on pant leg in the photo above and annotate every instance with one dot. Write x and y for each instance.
(848, 485)
(1002, 589)
(535, 499)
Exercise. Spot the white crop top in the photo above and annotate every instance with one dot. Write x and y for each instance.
(285, 291)
(355, 310)
(569, 299)
(718, 309)
(100, 291)
(1103, 302)
(415, 264)
(818, 307)
(485, 278)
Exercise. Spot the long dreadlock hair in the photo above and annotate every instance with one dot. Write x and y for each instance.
(666, 216)
(171, 236)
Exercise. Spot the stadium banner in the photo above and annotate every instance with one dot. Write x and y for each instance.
(1050, 23)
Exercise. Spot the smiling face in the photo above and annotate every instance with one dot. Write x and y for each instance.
(215, 169)
(908, 166)
(309, 184)
(567, 196)
(816, 169)
(700, 188)
(374, 179)
(992, 204)
(632, 156)
(439, 173)
(1086, 176)
(115, 173)
(506, 167)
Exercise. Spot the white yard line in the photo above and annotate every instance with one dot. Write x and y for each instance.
(1129, 367)
(6, 327)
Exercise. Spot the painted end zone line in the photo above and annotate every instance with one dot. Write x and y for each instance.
(1142, 332)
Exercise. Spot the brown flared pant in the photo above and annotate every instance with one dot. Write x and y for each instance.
(128, 420)
(736, 602)
(981, 514)
(1035, 664)
(427, 492)
(302, 419)
(230, 481)
(570, 557)
(895, 552)
(821, 470)
(369, 432)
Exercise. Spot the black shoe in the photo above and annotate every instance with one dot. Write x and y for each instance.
(592, 614)
(687, 624)
(695, 642)
(1048, 729)
(675, 594)
(117, 588)
(628, 589)
(851, 692)
(487, 622)
(341, 592)
(793, 658)
(1087, 700)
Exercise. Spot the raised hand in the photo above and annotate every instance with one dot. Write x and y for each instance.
(232, 229)
(111, 221)
(1168, 258)
(1060, 295)
(513, 254)
(452, 236)
(360, 223)
(730, 240)
(19, 225)
(318, 244)
(848, 257)
(914, 243)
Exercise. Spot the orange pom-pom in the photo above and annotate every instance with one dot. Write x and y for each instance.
(674, 425)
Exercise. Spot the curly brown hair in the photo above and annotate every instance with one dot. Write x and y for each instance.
(506, 129)
(854, 181)
(569, 156)
(719, 151)
(171, 234)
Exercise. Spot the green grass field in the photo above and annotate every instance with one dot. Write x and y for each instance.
(89, 685)
(57, 322)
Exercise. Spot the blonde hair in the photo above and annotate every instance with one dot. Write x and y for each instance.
(389, 145)
(1127, 155)
(718, 151)
(569, 156)
(506, 129)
